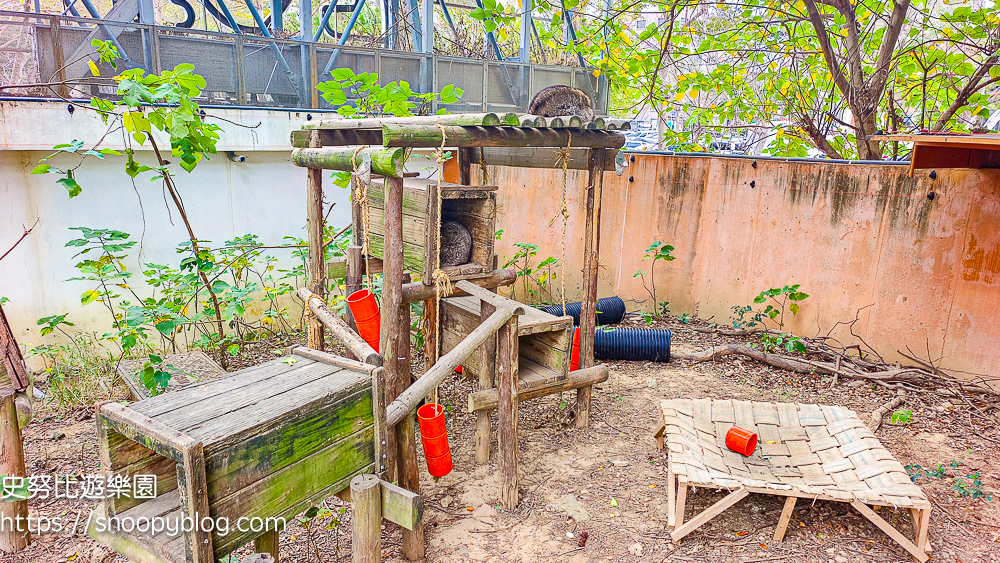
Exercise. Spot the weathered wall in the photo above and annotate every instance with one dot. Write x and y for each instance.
(863, 240)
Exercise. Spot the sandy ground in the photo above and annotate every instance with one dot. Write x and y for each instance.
(572, 479)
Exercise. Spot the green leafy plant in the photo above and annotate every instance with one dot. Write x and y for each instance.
(969, 485)
(534, 278)
(656, 251)
(360, 95)
(902, 416)
(775, 309)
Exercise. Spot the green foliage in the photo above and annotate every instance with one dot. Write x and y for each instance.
(360, 95)
(52, 323)
(969, 485)
(80, 371)
(902, 416)
(747, 316)
(535, 278)
(656, 251)
(788, 342)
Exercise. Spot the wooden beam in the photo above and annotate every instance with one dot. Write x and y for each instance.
(507, 354)
(408, 400)
(267, 543)
(10, 354)
(366, 521)
(893, 533)
(487, 380)
(591, 255)
(193, 486)
(488, 399)
(331, 359)
(711, 512)
(333, 137)
(539, 157)
(14, 534)
(314, 227)
(145, 431)
(357, 345)
(387, 162)
(430, 136)
(786, 516)
(417, 291)
(378, 122)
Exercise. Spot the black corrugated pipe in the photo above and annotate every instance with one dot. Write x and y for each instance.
(635, 344)
(610, 310)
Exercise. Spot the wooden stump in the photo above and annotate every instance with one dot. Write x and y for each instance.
(12, 464)
(366, 522)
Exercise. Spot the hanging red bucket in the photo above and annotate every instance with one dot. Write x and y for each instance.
(574, 358)
(366, 316)
(434, 436)
(741, 440)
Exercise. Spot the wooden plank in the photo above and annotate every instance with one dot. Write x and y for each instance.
(132, 548)
(336, 137)
(786, 515)
(507, 366)
(893, 533)
(413, 292)
(378, 122)
(150, 433)
(216, 389)
(292, 487)
(164, 503)
(267, 543)
(711, 512)
(331, 359)
(489, 398)
(923, 527)
(432, 235)
(10, 353)
(165, 470)
(285, 438)
(549, 349)
(380, 425)
(671, 497)
(337, 269)
(681, 501)
(401, 506)
(431, 136)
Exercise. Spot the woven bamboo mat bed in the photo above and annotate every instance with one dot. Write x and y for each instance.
(804, 451)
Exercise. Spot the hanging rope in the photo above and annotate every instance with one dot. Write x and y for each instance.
(442, 283)
(361, 198)
(563, 159)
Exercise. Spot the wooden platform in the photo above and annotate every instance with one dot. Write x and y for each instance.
(804, 451)
(195, 366)
(268, 441)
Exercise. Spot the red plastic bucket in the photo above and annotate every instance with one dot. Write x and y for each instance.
(574, 358)
(434, 436)
(741, 440)
(366, 316)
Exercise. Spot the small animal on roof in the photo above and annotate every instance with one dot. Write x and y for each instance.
(559, 100)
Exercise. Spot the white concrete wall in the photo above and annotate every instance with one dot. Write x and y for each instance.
(264, 196)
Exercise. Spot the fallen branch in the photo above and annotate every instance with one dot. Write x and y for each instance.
(879, 413)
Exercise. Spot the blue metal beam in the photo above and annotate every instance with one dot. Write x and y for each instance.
(416, 34)
(332, 9)
(526, 22)
(490, 38)
(277, 11)
(107, 30)
(343, 37)
(229, 17)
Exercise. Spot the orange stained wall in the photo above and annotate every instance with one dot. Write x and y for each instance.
(863, 240)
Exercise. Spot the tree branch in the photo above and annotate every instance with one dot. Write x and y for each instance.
(27, 231)
(824, 41)
(971, 87)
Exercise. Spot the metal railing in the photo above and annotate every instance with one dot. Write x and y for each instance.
(254, 71)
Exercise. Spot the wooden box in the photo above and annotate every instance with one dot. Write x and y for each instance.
(268, 441)
(472, 206)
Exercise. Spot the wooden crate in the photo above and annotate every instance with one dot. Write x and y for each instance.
(544, 341)
(268, 441)
(472, 206)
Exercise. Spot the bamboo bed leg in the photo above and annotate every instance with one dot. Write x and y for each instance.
(317, 267)
(903, 541)
(786, 515)
(12, 464)
(591, 254)
(921, 535)
(267, 543)
(366, 522)
(682, 489)
(709, 513)
(487, 380)
(507, 345)
(671, 500)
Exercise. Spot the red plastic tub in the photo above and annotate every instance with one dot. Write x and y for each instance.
(434, 436)
(366, 316)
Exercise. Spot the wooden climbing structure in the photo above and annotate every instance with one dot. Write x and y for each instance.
(515, 352)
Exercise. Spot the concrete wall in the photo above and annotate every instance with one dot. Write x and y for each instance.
(862, 240)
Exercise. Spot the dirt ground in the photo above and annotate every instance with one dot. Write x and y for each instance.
(608, 480)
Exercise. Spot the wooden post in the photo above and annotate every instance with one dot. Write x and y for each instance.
(487, 380)
(12, 538)
(267, 543)
(406, 442)
(507, 412)
(317, 266)
(58, 56)
(193, 487)
(591, 253)
(352, 281)
(786, 515)
(465, 166)
(366, 522)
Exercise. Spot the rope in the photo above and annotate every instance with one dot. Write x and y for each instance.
(361, 197)
(442, 283)
(563, 158)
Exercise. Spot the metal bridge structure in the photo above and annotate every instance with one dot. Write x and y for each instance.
(259, 66)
